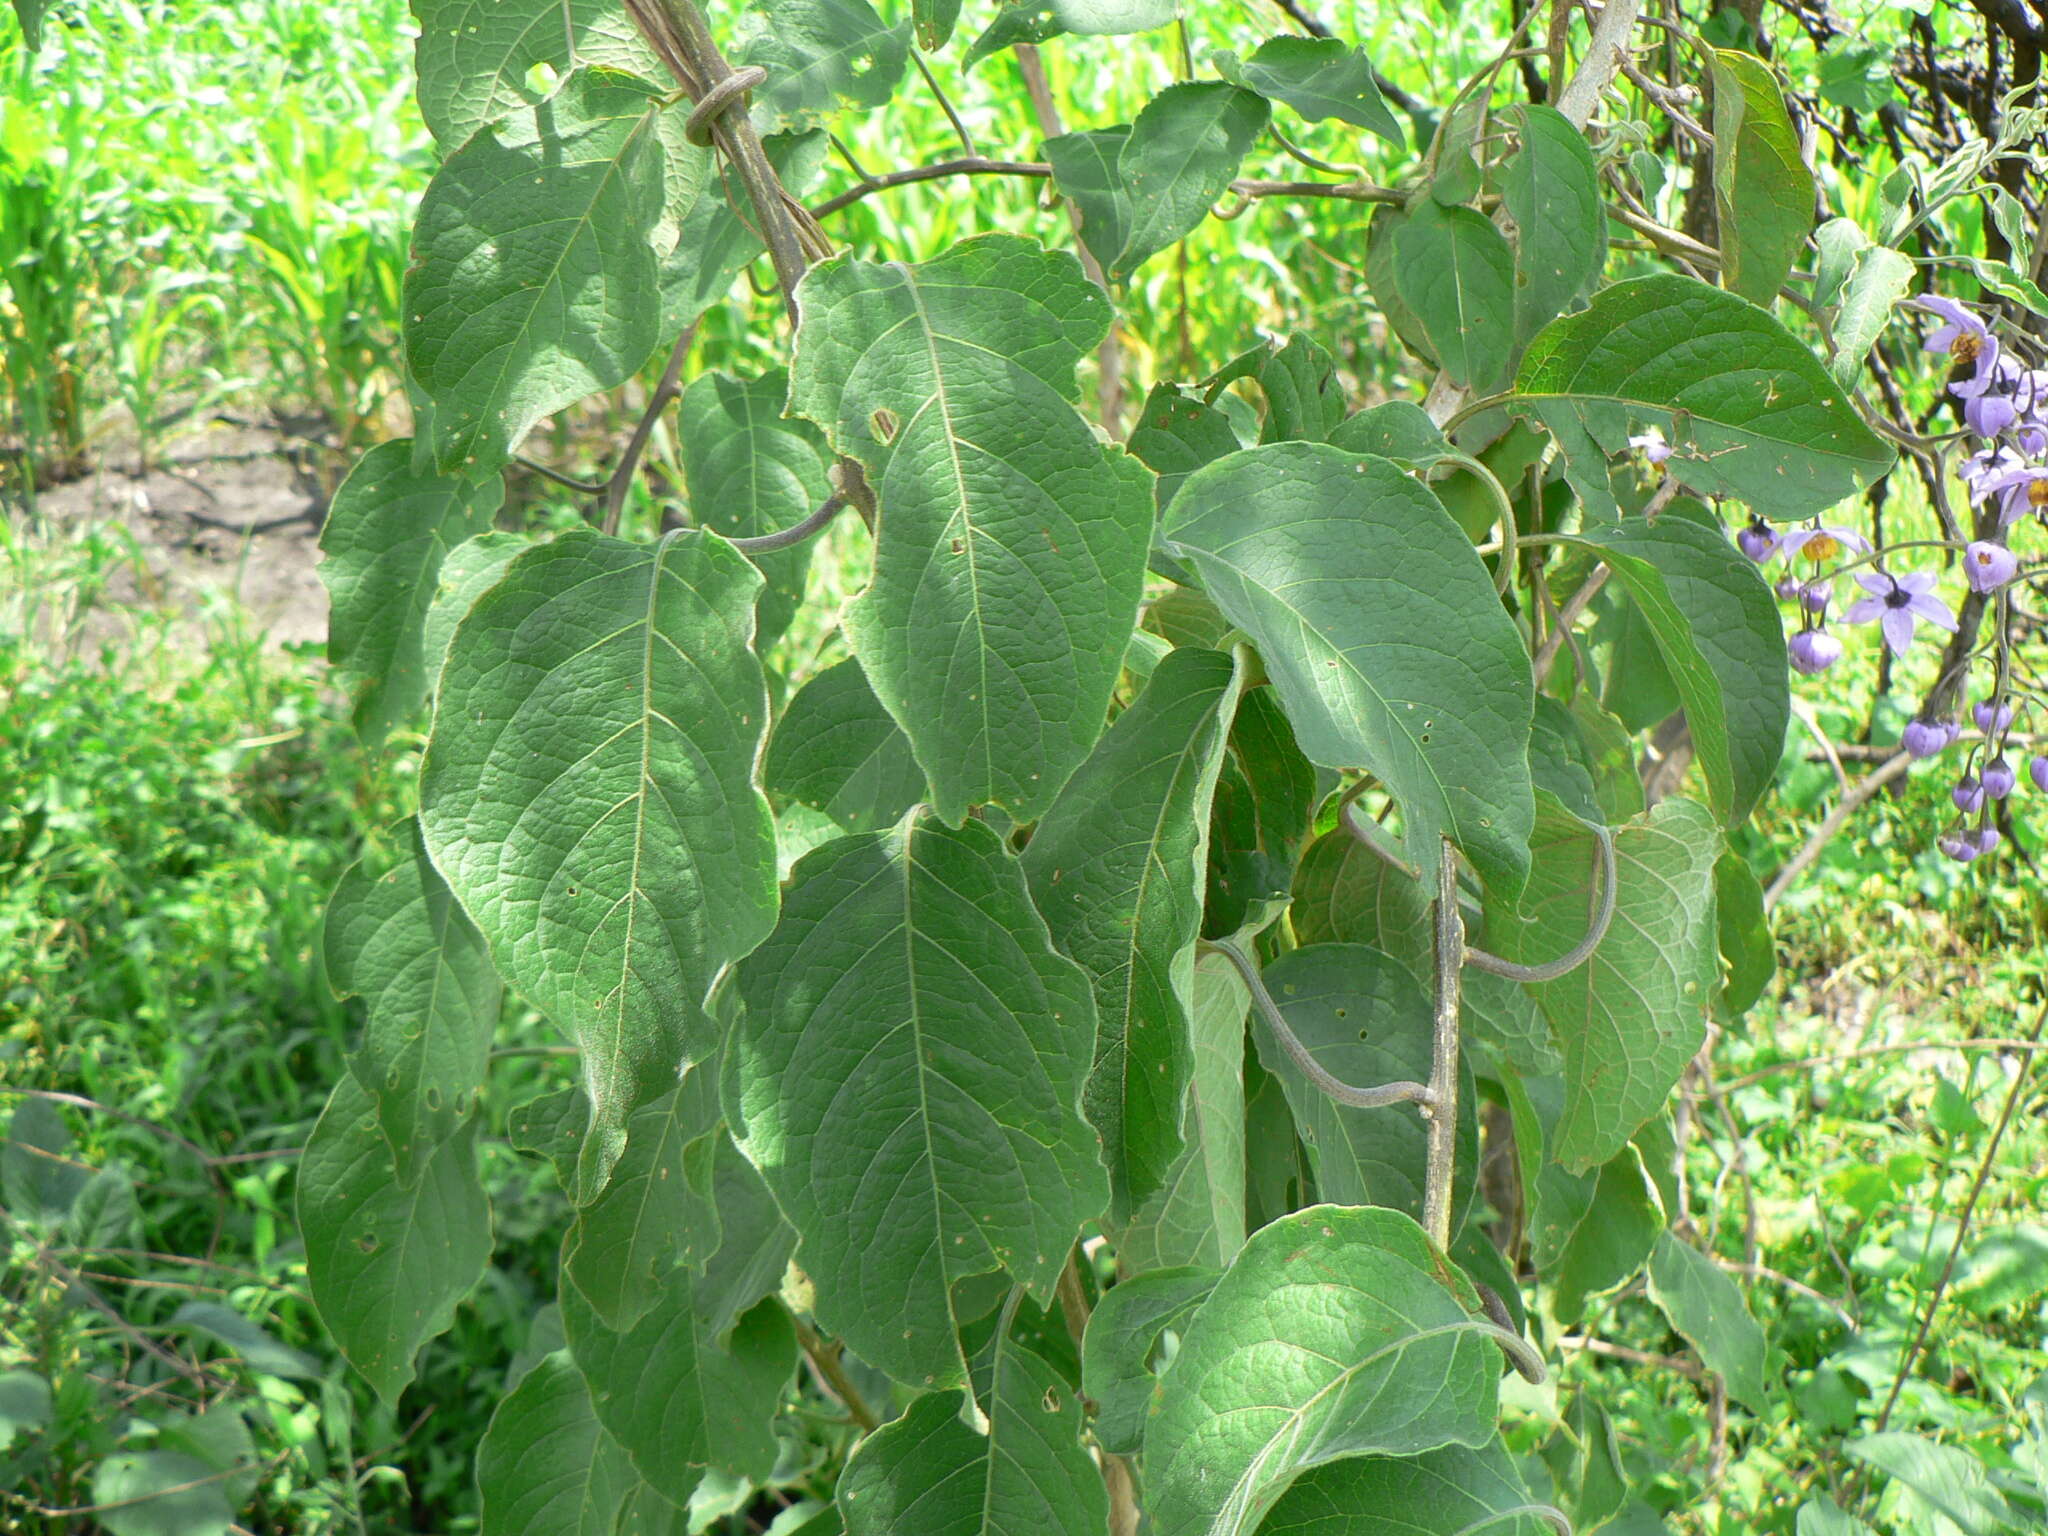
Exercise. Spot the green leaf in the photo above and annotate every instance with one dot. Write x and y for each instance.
(533, 280)
(1940, 1481)
(1184, 148)
(1320, 78)
(1722, 640)
(1457, 275)
(599, 719)
(822, 57)
(1743, 929)
(1749, 410)
(1036, 21)
(714, 236)
(30, 14)
(26, 1405)
(1445, 1492)
(1198, 1217)
(1705, 1305)
(471, 569)
(1120, 1354)
(656, 1209)
(105, 1214)
(672, 1397)
(219, 1438)
(399, 942)
(1763, 192)
(1304, 400)
(553, 1126)
(1340, 569)
(1265, 796)
(387, 1264)
(1882, 277)
(252, 1344)
(1619, 1230)
(39, 1178)
(1365, 1019)
(1086, 171)
(161, 1493)
(934, 21)
(1176, 434)
(1822, 1516)
(1012, 547)
(752, 471)
(545, 1467)
(1393, 429)
(476, 59)
(1117, 868)
(1028, 1476)
(836, 750)
(1337, 1332)
(1382, 273)
(1551, 187)
(907, 1076)
(754, 1248)
(387, 532)
(1633, 1015)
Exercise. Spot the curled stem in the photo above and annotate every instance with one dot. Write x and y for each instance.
(1269, 1011)
(1582, 951)
(796, 533)
(1369, 834)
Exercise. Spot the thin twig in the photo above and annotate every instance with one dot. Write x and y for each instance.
(783, 538)
(1443, 1068)
(967, 145)
(1865, 790)
(824, 1358)
(1867, 1051)
(1566, 617)
(671, 385)
(971, 165)
(1592, 1346)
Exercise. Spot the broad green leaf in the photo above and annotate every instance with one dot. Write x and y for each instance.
(1822, 1516)
(836, 750)
(40, 1178)
(219, 1438)
(1265, 796)
(105, 1214)
(1560, 760)
(1364, 1018)
(1184, 148)
(553, 1126)
(1619, 1230)
(399, 942)
(1198, 1217)
(754, 1243)
(1320, 78)
(1393, 429)
(1882, 278)
(1304, 401)
(470, 570)
(622, 1245)
(1036, 21)
(1382, 280)
(1942, 1481)
(533, 280)
(1763, 192)
(252, 1344)
(752, 471)
(1028, 1476)
(1635, 683)
(1117, 868)
(823, 56)
(589, 795)
(1120, 1356)
(1339, 1331)
(934, 21)
(1743, 929)
(545, 1466)
(1276, 1172)
(1012, 546)
(387, 1264)
(673, 1398)
(714, 237)
(1836, 244)
(1085, 169)
(1705, 1305)
(1722, 641)
(30, 14)
(1456, 274)
(476, 59)
(1634, 1014)
(387, 532)
(1450, 1491)
(26, 1405)
(907, 1077)
(1551, 187)
(1342, 569)
(1750, 412)
(1176, 434)
(161, 1493)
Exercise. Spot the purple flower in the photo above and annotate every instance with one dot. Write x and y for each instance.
(1896, 604)
(1996, 373)
(1968, 794)
(1962, 849)
(1821, 544)
(1759, 540)
(1651, 445)
(1965, 335)
(1990, 723)
(2023, 487)
(1999, 778)
(1986, 464)
(1813, 651)
(2037, 770)
(1987, 414)
(1987, 839)
(1789, 587)
(1924, 738)
(1815, 596)
(1988, 566)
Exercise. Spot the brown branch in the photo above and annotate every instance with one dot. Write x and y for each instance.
(1865, 790)
(966, 165)
(825, 1360)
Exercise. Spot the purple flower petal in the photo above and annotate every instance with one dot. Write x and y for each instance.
(1933, 610)
(1897, 625)
(1863, 610)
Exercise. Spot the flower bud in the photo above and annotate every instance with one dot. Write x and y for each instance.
(1961, 848)
(1968, 794)
(1991, 722)
(1924, 738)
(2037, 770)
(1815, 596)
(1759, 540)
(1788, 588)
(1999, 778)
(1988, 838)
(1814, 651)
(1988, 566)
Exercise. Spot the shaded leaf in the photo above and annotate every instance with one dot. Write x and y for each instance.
(161, 1493)
(1705, 1305)
(1743, 928)
(1551, 187)
(823, 56)
(1184, 148)
(545, 1467)
(251, 1343)
(40, 1180)
(836, 750)
(1120, 1360)
(1393, 429)
(1456, 275)
(1320, 78)
(26, 1405)
(1763, 192)
(1085, 167)
(1176, 434)
(475, 59)
(1445, 1492)
(1304, 401)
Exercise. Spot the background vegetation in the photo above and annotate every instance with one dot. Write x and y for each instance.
(202, 211)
